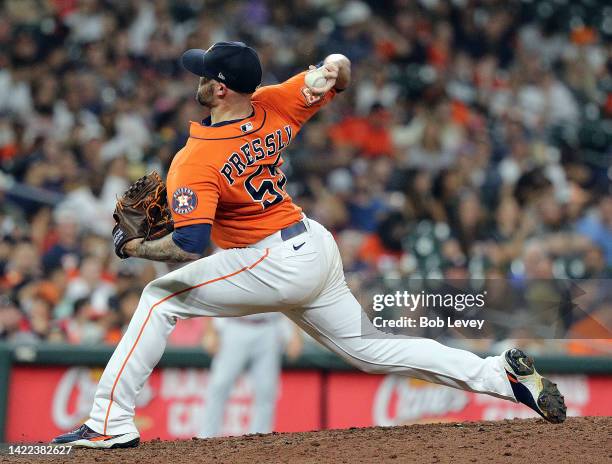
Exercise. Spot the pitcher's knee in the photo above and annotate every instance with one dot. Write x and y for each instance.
(155, 290)
(153, 296)
(369, 366)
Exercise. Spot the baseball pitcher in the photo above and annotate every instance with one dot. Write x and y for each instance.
(227, 185)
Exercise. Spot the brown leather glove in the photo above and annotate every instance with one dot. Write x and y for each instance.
(142, 212)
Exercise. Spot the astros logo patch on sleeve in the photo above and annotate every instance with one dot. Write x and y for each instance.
(184, 200)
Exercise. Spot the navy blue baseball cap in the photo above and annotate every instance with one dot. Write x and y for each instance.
(233, 63)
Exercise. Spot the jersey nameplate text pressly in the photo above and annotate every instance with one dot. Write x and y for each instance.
(256, 150)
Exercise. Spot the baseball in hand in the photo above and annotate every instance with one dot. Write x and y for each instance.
(315, 79)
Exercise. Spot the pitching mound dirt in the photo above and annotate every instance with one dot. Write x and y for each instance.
(585, 440)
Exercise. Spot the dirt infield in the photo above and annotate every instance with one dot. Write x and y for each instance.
(586, 440)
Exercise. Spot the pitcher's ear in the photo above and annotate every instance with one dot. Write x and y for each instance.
(222, 89)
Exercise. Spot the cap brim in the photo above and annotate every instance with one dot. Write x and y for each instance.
(193, 61)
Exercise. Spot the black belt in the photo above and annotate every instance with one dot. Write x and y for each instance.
(293, 230)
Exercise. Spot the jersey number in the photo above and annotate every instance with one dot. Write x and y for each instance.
(266, 185)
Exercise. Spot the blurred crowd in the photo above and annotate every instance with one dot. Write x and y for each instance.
(475, 141)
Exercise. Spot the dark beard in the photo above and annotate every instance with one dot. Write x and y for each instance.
(204, 97)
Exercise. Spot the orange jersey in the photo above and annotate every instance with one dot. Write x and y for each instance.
(230, 175)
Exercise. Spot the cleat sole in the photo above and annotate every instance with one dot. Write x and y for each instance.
(551, 402)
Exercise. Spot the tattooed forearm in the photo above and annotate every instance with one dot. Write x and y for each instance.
(163, 249)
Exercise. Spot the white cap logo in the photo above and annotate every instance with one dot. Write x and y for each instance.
(221, 76)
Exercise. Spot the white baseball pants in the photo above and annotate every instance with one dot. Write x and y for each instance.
(308, 286)
(242, 344)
